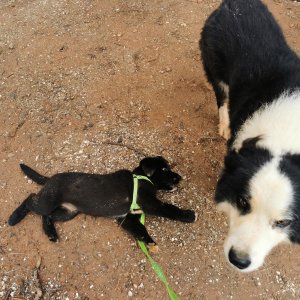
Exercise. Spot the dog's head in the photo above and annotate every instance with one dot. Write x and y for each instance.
(259, 194)
(158, 170)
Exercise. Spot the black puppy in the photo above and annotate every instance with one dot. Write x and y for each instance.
(64, 195)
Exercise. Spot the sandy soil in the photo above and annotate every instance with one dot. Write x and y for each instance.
(93, 85)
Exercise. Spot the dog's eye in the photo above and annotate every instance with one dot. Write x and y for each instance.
(165, 169)
(242, 203)
(282, 223)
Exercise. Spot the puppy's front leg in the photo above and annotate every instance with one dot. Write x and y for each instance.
(132, 224)
(170, 211)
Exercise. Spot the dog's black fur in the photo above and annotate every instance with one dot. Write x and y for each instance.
(239, 168)
(250, 65)
(290, 166)
(108, 195)
(243, 46)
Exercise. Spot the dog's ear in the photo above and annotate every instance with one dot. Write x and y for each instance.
(250, 144)
(292, 160)
(148, 166)
(234, 158)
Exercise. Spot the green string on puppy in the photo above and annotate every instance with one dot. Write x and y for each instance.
(156, 267)
(134, 208)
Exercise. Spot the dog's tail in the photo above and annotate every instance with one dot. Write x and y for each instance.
(35, 176)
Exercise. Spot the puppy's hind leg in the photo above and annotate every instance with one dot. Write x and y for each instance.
(62, 214)
(20, 213)
(49, 229)
(59, 214)
(132, 224)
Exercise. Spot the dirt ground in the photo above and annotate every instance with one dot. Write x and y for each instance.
(94, 85)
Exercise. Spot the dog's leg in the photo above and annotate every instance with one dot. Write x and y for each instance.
(49, 228)
(20, 213)
(169, 211)
(132, 224)
(62, 214)
(223, 102)
(221, 90)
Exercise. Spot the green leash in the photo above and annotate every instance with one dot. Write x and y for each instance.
(155, 266)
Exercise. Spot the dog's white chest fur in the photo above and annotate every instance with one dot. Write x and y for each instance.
(278, 124)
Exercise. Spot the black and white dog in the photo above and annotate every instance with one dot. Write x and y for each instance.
(64, 195)
(256, 79)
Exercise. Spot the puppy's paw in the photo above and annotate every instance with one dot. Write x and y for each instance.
(53, 238)
(153, 248)
(188, 216)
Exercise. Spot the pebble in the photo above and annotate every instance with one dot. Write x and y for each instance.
(2, 184)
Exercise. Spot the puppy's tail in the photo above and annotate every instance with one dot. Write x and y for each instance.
(35, 176)
(20, 213)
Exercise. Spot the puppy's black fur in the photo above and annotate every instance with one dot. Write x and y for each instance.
(243, 46)
(64, 195)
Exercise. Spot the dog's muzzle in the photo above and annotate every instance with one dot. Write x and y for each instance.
(239, 259)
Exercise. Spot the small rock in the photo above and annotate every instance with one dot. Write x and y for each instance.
(2, 184)
(87, 126)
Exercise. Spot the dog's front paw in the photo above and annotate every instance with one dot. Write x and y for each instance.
(224, 122)
(188, 216)
(224, 131)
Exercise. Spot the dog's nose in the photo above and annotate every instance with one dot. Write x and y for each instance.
(176, 178)
(239, 259)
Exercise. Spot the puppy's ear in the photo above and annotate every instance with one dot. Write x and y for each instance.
(162, 159)
(148, 166)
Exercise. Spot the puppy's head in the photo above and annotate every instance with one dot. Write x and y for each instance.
(158, 170)
(255, 190)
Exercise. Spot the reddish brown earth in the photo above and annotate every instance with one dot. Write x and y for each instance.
(91, 86)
